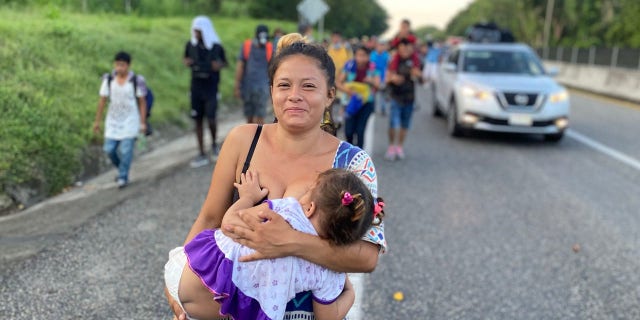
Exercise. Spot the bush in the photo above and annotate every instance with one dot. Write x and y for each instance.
(51, 66)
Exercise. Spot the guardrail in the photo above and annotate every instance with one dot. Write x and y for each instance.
(615, 57)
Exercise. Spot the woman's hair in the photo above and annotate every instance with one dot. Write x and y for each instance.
(293, 44)
(346, 205)
(289, 39)
(310, 50)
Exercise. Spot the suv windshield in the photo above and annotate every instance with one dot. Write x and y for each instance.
(498, 61)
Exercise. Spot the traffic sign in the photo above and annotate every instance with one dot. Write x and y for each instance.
(312, 10)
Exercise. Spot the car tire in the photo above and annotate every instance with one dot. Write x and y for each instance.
(554, 137)
(454, 128)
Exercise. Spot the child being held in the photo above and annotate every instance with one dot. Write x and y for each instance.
(208, 280)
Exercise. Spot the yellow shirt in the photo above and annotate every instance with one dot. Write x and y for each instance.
(340, 56)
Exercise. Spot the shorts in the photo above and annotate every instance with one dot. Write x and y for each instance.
(400, 115)
(204, 103)
(255, 102)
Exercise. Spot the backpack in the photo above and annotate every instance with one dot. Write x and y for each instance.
(149, 97)
(246, 49)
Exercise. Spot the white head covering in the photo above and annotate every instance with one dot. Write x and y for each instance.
(209, 35)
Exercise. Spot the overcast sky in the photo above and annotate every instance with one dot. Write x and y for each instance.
(421, 12)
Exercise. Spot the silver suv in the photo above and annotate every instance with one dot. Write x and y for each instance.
(500, 87)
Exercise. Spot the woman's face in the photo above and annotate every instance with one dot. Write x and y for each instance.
(300, 93)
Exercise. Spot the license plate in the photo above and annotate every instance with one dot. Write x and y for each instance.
(517, 119)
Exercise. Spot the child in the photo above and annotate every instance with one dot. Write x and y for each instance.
(126, 116)
(207, 279)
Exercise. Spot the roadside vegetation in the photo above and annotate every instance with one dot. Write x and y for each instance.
(52, 62)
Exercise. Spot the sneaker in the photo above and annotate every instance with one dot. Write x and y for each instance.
(122, 183)
(400, 152)
(215, 150)
(391, 153)
(199, 161)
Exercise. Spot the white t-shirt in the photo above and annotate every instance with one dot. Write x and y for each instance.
(123, 115)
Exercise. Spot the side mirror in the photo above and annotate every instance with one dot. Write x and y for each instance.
(450, 67)
(553, 71)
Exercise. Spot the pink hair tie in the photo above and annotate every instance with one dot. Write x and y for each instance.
(378, 208)
(347, 199)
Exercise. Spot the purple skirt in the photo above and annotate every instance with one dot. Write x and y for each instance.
(215, 270)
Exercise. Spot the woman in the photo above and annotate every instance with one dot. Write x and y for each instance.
(359, 80)
(289, 155)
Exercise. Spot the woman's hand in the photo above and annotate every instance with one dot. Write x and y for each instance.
(264, 231)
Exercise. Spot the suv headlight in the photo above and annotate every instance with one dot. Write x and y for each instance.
(474, 92)
(559, 96)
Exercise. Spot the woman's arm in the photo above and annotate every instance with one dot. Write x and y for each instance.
(220, 193)
(276, 238)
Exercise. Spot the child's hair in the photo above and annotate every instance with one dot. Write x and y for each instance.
(123, 56)
(288, 39)
(346, 204)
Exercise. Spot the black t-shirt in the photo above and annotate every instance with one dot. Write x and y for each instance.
(201, 69)
(405, 92)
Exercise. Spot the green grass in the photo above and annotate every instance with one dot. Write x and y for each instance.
(51, 62)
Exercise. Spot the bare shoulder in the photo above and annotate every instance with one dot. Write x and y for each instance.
(241, 133)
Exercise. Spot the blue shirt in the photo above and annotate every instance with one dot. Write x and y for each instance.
(432, 55)
(381, 60)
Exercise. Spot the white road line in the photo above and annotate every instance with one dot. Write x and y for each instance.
(634, 163)
(357, 279)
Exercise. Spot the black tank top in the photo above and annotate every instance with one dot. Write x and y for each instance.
(247, 162)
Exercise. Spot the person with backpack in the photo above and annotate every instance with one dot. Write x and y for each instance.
(126, 115)
(252, 80)
(205, 56)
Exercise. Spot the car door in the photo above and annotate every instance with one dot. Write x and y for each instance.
(448, 75)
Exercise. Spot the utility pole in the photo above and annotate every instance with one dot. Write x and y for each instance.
(547, 27)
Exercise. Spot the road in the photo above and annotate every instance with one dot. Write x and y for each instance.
(484, 227)
(491, 226)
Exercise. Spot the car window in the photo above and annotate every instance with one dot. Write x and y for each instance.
(500, 61)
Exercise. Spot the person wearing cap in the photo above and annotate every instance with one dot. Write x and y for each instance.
(252, 81)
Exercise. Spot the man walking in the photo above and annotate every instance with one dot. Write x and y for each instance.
(252, 79)
(204, 55)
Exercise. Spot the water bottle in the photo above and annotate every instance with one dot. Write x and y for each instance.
(142, 142)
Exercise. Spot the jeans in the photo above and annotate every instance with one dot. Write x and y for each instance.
(120, 153)
(356, 124)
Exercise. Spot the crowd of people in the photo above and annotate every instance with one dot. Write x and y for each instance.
(314, 213)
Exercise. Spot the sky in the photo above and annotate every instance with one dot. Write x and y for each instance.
(421, 12)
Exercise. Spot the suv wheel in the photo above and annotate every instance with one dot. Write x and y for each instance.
(454, 128)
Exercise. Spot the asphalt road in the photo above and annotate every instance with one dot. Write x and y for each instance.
(486, 227)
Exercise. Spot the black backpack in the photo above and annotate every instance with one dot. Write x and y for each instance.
(149, 97)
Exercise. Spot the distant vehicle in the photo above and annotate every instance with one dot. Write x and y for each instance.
(500, 87)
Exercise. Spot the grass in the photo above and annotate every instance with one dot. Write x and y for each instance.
(51, 64)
